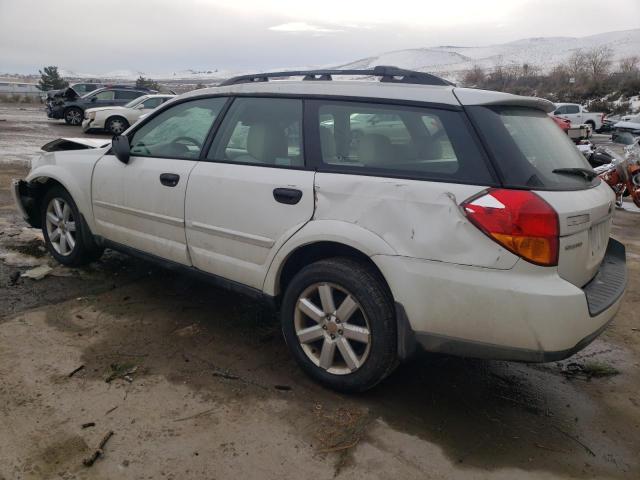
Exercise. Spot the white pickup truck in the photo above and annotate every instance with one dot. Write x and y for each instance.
(579, 115)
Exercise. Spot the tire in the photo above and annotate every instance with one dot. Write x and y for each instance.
(369, 330)
(61, 218)
(73, 116)
(116, 125)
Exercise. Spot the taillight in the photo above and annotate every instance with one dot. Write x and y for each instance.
(519, 220)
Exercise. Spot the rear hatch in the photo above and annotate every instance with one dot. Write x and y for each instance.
(531, 152)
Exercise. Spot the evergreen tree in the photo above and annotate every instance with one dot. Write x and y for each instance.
(51, 79)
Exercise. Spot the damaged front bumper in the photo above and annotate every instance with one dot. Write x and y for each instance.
(25, 196)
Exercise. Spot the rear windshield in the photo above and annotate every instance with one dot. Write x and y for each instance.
(530, 150)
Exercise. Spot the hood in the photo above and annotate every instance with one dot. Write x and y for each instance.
(101, 109)
(75, 144)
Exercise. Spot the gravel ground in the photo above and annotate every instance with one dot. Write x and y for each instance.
(197, 383)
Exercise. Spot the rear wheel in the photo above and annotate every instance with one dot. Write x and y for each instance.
(66, 235)
(116, 125)
(339, 323)
(73, 116)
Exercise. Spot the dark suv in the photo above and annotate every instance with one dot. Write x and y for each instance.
(72, 109)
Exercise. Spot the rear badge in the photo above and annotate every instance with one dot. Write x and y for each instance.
(577, 220)
(573, 246)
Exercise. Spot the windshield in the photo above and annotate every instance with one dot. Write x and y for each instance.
(530, 150)
(135, 101)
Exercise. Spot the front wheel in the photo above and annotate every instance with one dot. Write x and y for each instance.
(338, 321)
(116, 125)
(73, 116)
(66, 235)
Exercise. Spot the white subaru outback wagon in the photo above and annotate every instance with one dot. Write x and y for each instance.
(379, 216)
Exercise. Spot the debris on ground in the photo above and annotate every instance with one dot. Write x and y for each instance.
(225, 374)
(121, 370)
(87, 462)
(73, 372)
(38, 273)
(13, 278)
(88, 424)
(588, 370)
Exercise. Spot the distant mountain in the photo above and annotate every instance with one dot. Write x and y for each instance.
(545, 52)
(448, 61)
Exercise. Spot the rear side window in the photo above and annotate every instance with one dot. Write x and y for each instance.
(127, 94)
(529, 149)
(261, 131)
(400, 141)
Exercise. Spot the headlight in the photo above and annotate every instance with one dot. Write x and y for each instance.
(90, 115)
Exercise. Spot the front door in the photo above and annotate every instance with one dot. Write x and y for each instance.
(141, 204)
(252, 193)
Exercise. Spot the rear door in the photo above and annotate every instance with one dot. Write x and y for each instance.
(531, 152)
(252, 192)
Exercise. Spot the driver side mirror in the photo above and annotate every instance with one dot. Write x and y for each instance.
(93, 99)
(121, 148)
(140, 106)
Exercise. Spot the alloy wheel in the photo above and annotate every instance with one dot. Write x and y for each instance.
(61, 226)
(74, 117)
(116, 126)
(332, 328)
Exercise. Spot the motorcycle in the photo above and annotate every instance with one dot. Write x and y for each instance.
(621, 173)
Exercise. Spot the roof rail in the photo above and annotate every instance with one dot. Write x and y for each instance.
(386, 73)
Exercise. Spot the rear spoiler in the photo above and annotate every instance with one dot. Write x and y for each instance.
(74, 144)
(469, 96)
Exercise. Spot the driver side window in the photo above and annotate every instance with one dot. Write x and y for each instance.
(179, 131)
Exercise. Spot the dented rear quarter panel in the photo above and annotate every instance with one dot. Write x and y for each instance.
(416, 218)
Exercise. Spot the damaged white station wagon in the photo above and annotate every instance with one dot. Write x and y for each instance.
(378, 216)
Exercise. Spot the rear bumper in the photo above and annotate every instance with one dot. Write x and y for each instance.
(525, 314)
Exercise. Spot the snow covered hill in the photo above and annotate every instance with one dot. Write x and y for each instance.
(545, 53)
(448, 61)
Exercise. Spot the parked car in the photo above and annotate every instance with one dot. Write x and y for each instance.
(579, 115)
(629, 124)
(563, 123)
(117, 119)
(72, 91)
(72, 108)
(608, 123)
(481, 231)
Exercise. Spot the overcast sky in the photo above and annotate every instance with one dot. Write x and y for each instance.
(163, 36)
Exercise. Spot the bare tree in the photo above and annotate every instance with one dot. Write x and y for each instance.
(577, 63)
(474, 76)
(630, 65)
(598, 61)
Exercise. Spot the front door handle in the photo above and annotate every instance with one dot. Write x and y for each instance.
(290, 196)
(169, 179)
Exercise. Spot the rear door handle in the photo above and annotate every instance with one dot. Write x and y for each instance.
(290, 196)
(169, 179)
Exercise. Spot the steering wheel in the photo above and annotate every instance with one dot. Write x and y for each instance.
(187, 139)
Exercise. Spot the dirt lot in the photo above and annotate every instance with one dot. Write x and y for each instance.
(196, 383)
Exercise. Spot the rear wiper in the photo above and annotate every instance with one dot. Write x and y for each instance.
(587, 173)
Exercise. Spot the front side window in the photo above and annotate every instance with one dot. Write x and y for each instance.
(179, 131)
(106, 95)
(406, 141)
(262, 131)
(573, 109)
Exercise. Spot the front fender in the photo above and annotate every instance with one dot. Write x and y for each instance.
(316, 231)
(73, 170)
